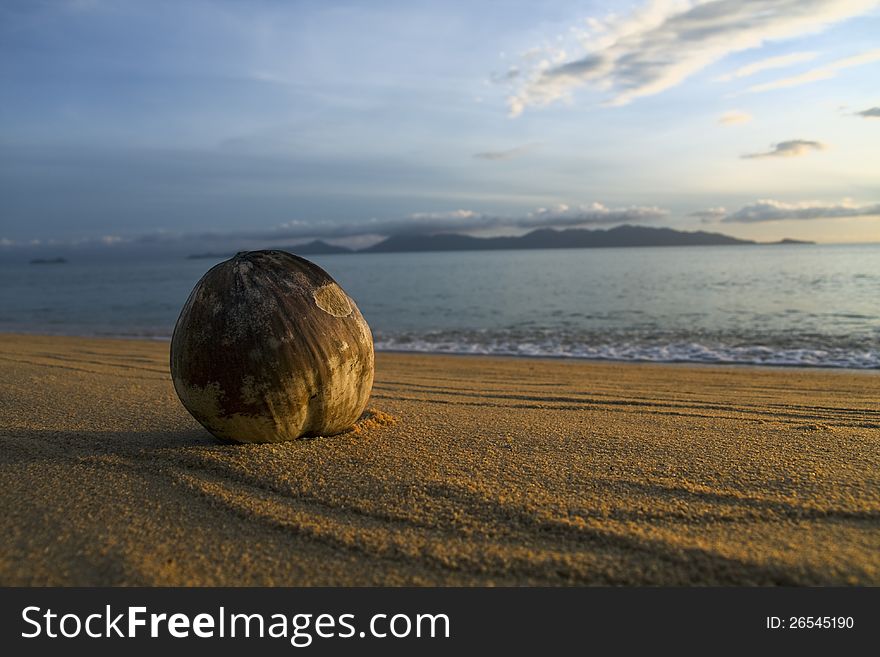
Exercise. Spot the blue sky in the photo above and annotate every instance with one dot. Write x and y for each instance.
(254, 123)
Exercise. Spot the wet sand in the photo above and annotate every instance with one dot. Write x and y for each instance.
(469, 471)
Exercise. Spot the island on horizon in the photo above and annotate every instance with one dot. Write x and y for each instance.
(543, 238)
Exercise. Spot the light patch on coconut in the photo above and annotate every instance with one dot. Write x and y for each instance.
(243, 267)
(364, 334)
(243, 428)
(332, 300)
(333, 361)
(201, 401)
(206, 405)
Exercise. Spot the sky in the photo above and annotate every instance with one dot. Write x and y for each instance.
(218, 124)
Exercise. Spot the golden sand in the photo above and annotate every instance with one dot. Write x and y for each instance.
(468, 471)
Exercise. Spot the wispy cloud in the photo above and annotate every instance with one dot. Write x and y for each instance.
(770, 210)
(870, 113)
(733, 117)
(511, 73)
(508, 154)
(791, 148)
(667, 41)
(595, 213)
(820, 73)
(103, 240)
(780, 61)
(709, 215)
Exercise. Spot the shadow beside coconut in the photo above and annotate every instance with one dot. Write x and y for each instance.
(103, 448)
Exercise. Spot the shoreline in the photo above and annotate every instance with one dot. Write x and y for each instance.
(470, 472)
(551, 357)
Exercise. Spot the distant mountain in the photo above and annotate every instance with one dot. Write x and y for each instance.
(543, 238)
(787, 240)
(549, 238)
(317, 247)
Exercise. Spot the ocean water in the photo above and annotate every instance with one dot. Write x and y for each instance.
(809, 305)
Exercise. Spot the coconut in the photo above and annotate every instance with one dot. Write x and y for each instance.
(269, 348)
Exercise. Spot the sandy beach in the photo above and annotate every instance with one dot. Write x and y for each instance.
(468, 471)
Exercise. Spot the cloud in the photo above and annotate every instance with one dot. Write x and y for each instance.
(510, 74)
(733, 117)
(508, 154)
(792, 148)
(820, 73)
(595, 213)
(465, 221)
(870, 113)
(770, 210)
(765, 64)
(709, 215)
(667, 41)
